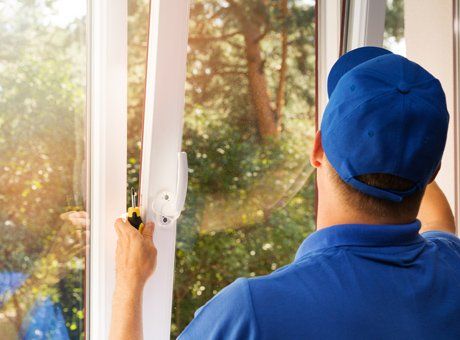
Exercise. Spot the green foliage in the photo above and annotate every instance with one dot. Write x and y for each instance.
(42, 101)
(250, 201)
(237, 221)
(207, 262)
(138, 11)
(394, 19)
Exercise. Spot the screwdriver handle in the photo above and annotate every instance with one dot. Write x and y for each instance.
(134, 213)
(134, 217)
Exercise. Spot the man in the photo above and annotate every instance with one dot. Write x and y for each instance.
(372, 270)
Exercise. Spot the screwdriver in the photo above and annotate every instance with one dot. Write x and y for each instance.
(134, 212)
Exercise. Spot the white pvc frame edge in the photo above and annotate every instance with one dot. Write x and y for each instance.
(366, 23)
(163, 122)
(108, 150)
(329, 28)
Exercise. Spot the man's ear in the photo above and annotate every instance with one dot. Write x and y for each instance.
(317, 154)
(435, 173)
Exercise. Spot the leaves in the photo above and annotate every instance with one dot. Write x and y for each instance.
(42, 148)
(250, 202)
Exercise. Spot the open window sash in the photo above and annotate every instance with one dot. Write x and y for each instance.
(163, 167)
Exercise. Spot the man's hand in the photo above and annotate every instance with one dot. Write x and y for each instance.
(136, 260)
(136, 255)
(435, 212)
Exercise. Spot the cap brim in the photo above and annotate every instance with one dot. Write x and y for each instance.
(350, 60)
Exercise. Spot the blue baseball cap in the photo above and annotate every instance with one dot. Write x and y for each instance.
(386, 114)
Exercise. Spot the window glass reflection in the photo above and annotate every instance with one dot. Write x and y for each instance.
(42, 169)
(138, 23)
(249, 124)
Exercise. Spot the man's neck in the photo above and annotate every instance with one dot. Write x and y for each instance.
(335, 213)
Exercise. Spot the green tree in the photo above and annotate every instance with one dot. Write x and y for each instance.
(249, 123)
(42, 100)
(394, 19)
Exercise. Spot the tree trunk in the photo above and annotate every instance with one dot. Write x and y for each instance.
(258, 83)
(281, 94)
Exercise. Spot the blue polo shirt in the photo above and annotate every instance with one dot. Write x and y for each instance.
(347, 282)
(43, 321)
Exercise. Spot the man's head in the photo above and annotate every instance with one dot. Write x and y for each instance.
(382, 135)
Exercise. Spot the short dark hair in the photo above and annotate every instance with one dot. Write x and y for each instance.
(378, 207)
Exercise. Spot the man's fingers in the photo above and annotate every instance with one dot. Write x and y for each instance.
(118, 224)
(65, 216)
(123, 227)
(148, 230)
(78, 221)
(81, 214)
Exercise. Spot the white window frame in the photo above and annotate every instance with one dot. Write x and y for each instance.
(164, 108)
(329, 21)
(162, 140)
(107, 104)
(162, 135)
(366, 23)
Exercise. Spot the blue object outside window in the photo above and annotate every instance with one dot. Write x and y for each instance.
(44, 320)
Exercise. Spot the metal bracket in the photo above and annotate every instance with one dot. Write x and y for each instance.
(168, 206)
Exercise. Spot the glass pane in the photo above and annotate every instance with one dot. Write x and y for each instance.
(393, 36)
(249, 125)
(43, 169)
(138, 23)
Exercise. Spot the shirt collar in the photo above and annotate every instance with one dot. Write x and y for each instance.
(370, 235)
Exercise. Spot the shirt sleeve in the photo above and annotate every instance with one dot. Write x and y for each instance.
(441, 235)
(45, 321)
(228, 315)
